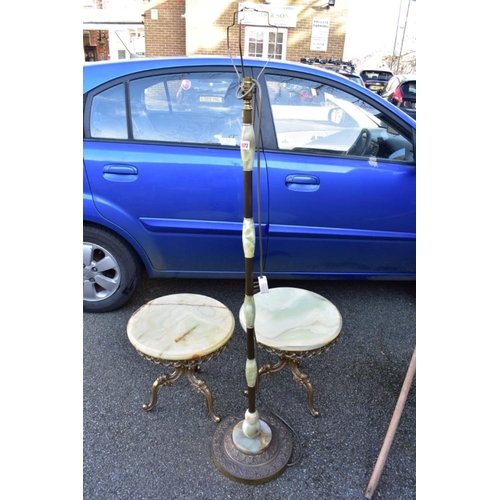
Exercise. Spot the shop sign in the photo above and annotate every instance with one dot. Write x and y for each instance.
(258, 14)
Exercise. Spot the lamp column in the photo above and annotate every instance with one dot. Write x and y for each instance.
(251, 435)
(250, 450)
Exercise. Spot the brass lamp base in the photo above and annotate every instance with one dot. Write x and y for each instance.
(246, 468)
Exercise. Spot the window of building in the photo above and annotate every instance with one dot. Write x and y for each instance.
(268, 43)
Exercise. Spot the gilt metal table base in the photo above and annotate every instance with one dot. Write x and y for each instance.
(183, 367)
(291, 359)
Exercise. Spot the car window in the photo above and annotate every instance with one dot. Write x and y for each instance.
(378, 75)
(108, 118)
(410, 88)
(198, 108)
(313, 117)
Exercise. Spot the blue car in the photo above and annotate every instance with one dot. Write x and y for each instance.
(334, 175)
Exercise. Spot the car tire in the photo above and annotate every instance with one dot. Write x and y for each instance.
(111, 270)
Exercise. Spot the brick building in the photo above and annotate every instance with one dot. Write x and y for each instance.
(280, 29)
(292, 29)
(113, 29)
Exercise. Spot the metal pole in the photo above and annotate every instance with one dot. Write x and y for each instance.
(403, 39)
(396, 35)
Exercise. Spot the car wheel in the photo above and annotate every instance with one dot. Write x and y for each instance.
(111, 270)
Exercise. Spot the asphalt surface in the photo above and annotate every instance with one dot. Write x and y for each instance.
(165, 454)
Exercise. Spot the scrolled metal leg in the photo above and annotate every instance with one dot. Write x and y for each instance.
(165, 380)
(303, 379)
(201, 386)
(269, 369)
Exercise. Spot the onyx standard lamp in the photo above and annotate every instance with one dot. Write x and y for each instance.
(251, 450)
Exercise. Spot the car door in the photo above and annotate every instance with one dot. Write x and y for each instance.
(341, 173)
(163, 162)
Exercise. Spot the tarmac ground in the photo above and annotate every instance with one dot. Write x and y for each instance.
(129, 453)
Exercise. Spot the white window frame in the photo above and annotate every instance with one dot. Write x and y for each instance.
(265, 32)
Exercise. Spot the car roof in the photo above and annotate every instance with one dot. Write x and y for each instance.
(97, 73)
(407, 78)
(401, 79)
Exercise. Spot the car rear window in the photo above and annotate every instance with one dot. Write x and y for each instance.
(410, 88)
(198, 107)
(376, 75)
(108, 118)
(188, 107)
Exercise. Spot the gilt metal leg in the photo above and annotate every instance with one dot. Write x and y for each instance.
(299, 377)
(201, 386)
(269, 369)
(165, 380)
(303, 379)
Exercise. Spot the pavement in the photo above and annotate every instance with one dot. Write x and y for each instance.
(129, 453)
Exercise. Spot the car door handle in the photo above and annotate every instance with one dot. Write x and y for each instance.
(302, 182)
(120, 169)
(121, 173)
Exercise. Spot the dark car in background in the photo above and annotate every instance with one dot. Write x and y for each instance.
(376, 80)
(401, 91)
